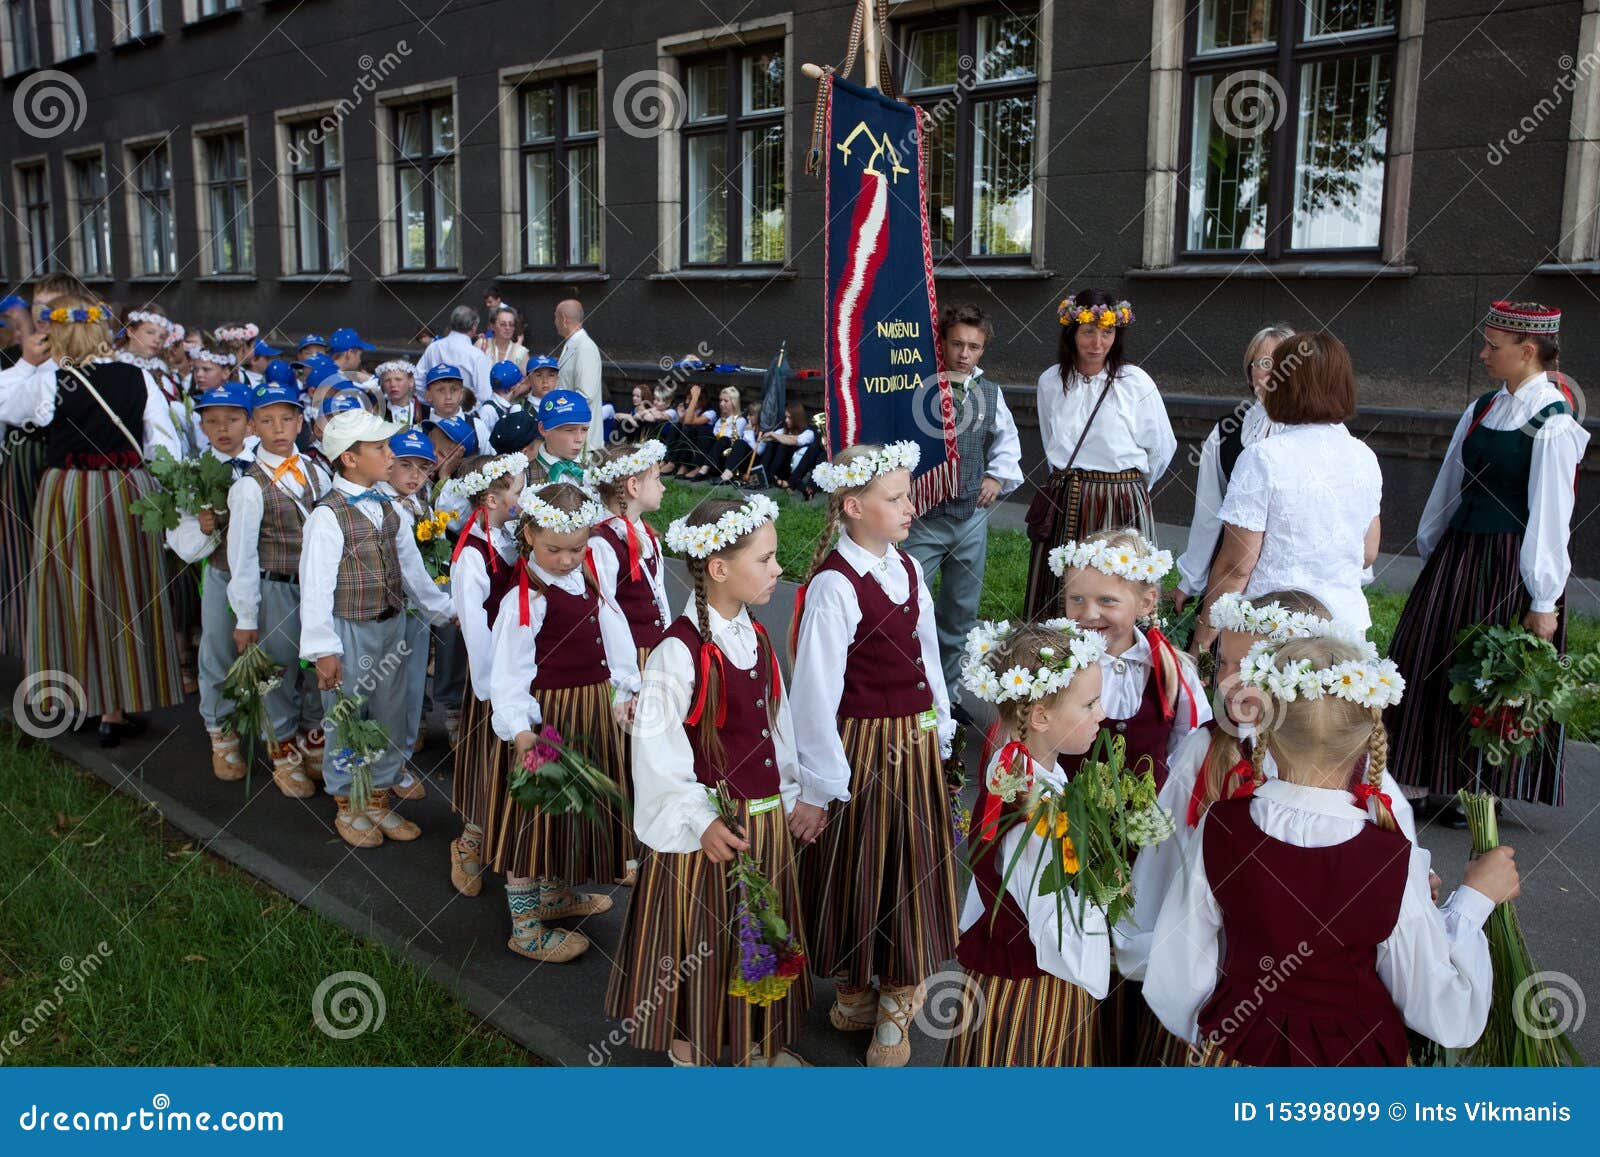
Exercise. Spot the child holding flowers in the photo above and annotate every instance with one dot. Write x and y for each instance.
(481, 570)
(1336, 907)
(1039, 975)
(715, 788)
(413, 464)
(872, 720)
(561, 655)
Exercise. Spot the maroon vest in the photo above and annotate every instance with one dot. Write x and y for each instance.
(883, 673)
(571, 650)
(1147, 733)
(749, 766)
(1317, 915)
(635, 598)
(501, 575)
(998, 944)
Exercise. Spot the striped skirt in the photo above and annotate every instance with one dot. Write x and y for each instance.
(1130, 1034)
(679, 950)
(1209, 1055)
(528, 843)
(19, 484)
(98, 608)
(880, 883)
(1042, 1022)
(479, 762)
(1469, 579)
(1083, 502)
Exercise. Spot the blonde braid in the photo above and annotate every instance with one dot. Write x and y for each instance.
(830, 528)
(1258, 757)
(1377, 760)
(710, 741)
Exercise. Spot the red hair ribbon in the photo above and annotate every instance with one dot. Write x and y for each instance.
(991, 802)
(794, 619)
(708, 652)
(635, 546)
(1157, 640)
(1366, 791)
(461, 543)
(1241, 774)
(522, 591)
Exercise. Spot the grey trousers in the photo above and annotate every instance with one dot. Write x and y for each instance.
(957, 549)
(449, 668)
(375, 663)
(217, 652)
(278, 622)
(416, 636)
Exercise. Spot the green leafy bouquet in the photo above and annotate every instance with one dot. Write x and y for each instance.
(246, 685)
(357, 744)
(184, 486)
(1509, 684)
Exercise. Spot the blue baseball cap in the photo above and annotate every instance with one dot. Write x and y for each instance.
(282, 373)
(563, 408)
(412, 443)
(347, 399)
(542, 362)
(311, 339)
(263, 350)
(272, 393)
(444, 371)
(347, 339)
(459, 430)
(516, 431)
(319, 368)
(8, 302)
(235, 394)
(504, 375)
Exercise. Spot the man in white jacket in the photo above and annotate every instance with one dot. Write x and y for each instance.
(580, 365)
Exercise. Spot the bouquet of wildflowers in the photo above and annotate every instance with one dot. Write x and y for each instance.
(1509, 683)
(357, 744)
(558, 780)
(246, 685)
(433, 543)
(770, 958)
(955, 779)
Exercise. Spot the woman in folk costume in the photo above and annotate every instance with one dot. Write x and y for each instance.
(1039, 963)
(872, 720)
(1329, 947)
(1105, 432)
(1494, 537)
(717, 720)
(98, 608)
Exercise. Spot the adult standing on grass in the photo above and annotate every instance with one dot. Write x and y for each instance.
(580, 365)
(1106, 435)
(1494, 540)
(952, 538)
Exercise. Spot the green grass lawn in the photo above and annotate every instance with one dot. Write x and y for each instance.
(202, 964)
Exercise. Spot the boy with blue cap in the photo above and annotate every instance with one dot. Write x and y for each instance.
(255, 363)
(445, 390)
(542, 372)
(414, 461)
(509, 386)
(203, 538)
(359, 567)
(311, 345)
(346, 347)
(267, 512)
(564, 425)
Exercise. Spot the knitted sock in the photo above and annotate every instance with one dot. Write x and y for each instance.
(522, 899)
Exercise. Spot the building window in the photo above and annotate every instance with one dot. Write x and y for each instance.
(1287, 126)
(974, 71)
(74, 27)
(225, 220)
(137, 18)
(425, 185)
(37, 232)
(734, 158)
(90, 215)
(155, 228)
(199, 9)
(21, 48)
(316, 183)
(560, 145)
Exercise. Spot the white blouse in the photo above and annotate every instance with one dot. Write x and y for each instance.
(186, 540)
(1123, 681)
(28, 396)
(1131, 431)
(469, 587)
(514, 659)
(1435, 963)
(1312, 490)
(1080, 955)
(608, 567)
(670, 806)
(246, 507)
(1557, 450)
(829, 624)
(1205, 529)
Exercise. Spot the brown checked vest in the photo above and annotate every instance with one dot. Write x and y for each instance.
(368, 585)
(282, 522)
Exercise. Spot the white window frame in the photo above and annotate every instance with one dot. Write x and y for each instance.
(122, 20)
(9, 65)
(284, 120)
(59, 10)
(130, 183)
(670, 52)
(201, 136)
(192, 9)
(77, 244)
(1579, 243)
(388, 157)
(511, 80)
(34, 258)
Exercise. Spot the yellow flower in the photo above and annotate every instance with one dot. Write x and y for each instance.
(1107, 319)
(441, 580)
(1069, 855)
(1041, 828)
(1085, 316)
(424, 531)
(58, 314)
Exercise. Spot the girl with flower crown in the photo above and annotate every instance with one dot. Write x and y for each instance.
(713, 717)
(1038, 977)
(873, 719)
(1106, 435)
(560, 657)
(1329, 947)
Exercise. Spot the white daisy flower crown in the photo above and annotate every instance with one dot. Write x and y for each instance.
(706, 540)
(478, 481)
(1234, 612)
(1084, 649)
(216, 359)
(174, 335)
(402, 367)
(646, 456)
(239, 333)
(862, 469)
(547, 517)
(1366, 682)
(1140, 563)
(165, 323)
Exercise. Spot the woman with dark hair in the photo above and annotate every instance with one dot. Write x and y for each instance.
(1494, 540)
(1301, 511)
(787, 447)
(1106, 434)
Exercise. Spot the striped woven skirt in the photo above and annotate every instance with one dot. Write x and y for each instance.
(97, 606)
(1083, 502)
(1469, 579)
(1041, 1022)
(19, 484)
(528, 843)
(1209, 1055)
(880, 882)
(680, 949)
(479, 762)
(1130, 1034)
